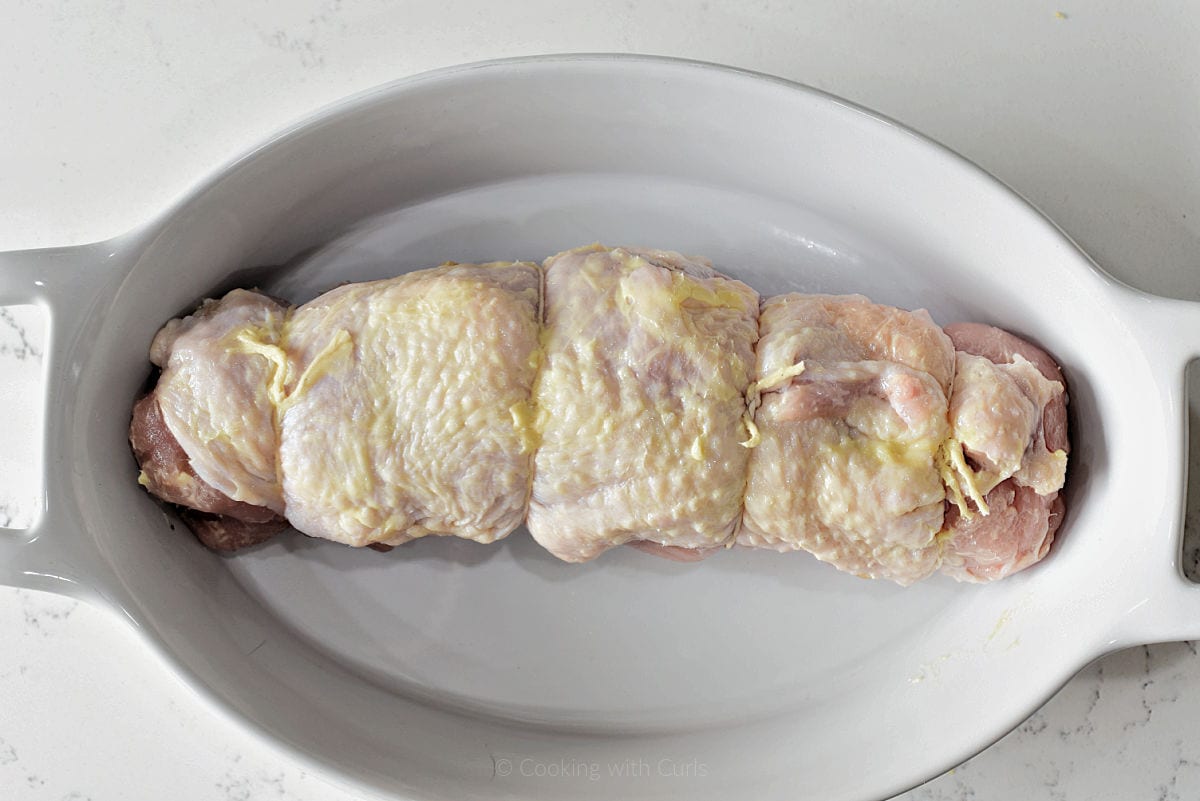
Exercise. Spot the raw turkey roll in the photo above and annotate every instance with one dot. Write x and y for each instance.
(641, 403)
(613, 396)
(851, 413)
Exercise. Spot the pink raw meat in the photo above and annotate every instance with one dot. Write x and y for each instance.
(1021, 524)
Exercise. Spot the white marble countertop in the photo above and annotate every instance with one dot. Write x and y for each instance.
(111, 108)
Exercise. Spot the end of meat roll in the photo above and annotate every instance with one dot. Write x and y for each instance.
(1008, 412)
(204, 437)
(892, 448)
(1016, 533)
(218, 521)
(378, 413)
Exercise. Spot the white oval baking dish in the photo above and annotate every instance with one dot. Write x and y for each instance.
(456, 671)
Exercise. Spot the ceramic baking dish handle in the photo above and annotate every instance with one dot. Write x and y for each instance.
(72, 286)
(1170, 607)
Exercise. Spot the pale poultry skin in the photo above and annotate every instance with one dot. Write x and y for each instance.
(404, 406)
(213, 395)
(851, 413)
(640, 403)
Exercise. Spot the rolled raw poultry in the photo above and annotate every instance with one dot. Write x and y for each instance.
(615, 396)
